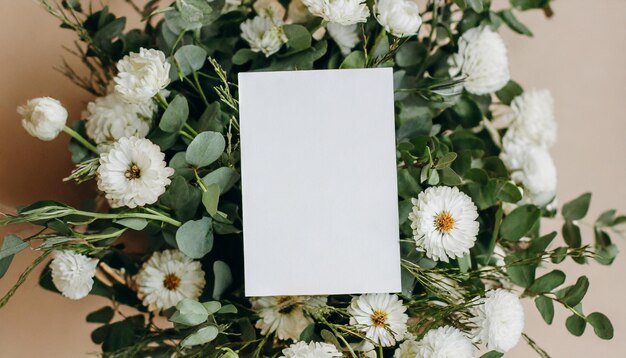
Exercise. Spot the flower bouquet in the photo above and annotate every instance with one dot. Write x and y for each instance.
(161, 139)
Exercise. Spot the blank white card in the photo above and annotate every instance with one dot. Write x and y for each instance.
(320, 204)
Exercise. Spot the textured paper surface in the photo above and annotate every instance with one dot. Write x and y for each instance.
(320, 212)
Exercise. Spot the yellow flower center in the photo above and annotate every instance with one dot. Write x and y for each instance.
(171, 282)
(133, 172)
(379, 317)
(444, 222)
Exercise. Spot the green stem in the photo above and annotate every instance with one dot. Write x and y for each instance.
(380, 351)
(23, 277)
(199, 88)
(79, 138)
(161, 101)
(199, 180)
(186, 135)
(158, 217)
(190, 129)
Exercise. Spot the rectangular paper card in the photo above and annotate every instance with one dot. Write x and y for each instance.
(318, 162)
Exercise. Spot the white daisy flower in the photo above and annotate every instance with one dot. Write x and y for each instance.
(381, 316)
(167, 278)
(445, 342)
(533, 168)
(311, 350)
(346, 37)
(343, 12)
(399, 17)
(73, 273)
(285, 315)
(499, 320)
(142, 75)
(532, 119)
(482, 61)
(43, 117)
(264, 34)
(133, 173)
(110, 118)
(444, 223)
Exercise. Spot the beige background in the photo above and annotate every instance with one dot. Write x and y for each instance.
(579, 54)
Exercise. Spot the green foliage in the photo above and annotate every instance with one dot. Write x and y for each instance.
(577, 208)
(206, 148)
(175, 115)
(188, 59)
(519, 222)
(601, 325)
(545, 306)
(195, 237)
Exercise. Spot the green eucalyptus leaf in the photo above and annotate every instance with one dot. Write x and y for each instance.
(11, 245)
(195, 238)
(545, 306)
(136, 224)
(492, 354)
(175, 115)
(575, 325)
(298, 37)
(548, 282)
(202, 336)
(572, 295)
(529, 4)
(514, 23)
(577, 208)
(601, 324)
(210, 198)
(507, 93)
(212, 307)
(354, 60)
(103, 315)
(190, 58)
(519, 222)
(223, 278)
(206, 148)
(190, 313)
(224, 177)
(476, 5)
(571, 234)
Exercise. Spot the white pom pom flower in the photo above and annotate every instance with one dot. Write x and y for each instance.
(142, 75)
(343, 12)
(73, 273)
(346, 37)
(445, 342)
(133, 173)
(264, 34)
(381, 316)
(43, 117)
(401, 18)
(110, 118)
(532, 119)
(167, 278)
(311, 350)
(499, 320)
(481, 60)
(444, 223)
(408, 349)
(285, 315)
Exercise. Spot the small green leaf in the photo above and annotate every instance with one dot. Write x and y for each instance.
(103, 315)
(136, 224)
(224, 177)
(298, 37)
(530, 4)
(507, 93)
(575, 325)
(572, 295)
(520, 274)
(354, 60)
(571, 234)
(545, 306)
(195, 238)
(577, 208)
(223, 278)
(519, 222)
(210, 198)
(227, 309)
(601, 324)
(202, 336)
(492, 354)
(445, 161)
(11, 245)
(190, 58)
(509, 193)
(206, 148)
(244, 55)
(548, 282)
(175, 115)
(190, 313)
(514, 23)
(212, 307)
(476, 5)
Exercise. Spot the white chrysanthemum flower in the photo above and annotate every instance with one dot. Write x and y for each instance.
(167, 278)
(133, 173)
(444, 223)
(285, 315)
(346, 37)
(264, 34)
(110, 118)
(142, 75)
(408, 349)
(445, 342)
(532, 119)
(311, 350)
(533, 168)
(73, 273)
(381, 316)
(482, 61)
(399, 17)
(343, 12)
(43, 117)
(499, 320)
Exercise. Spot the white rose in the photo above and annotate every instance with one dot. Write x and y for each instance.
(481, 60)
(142, 75)
(264, 34)
(399, 17)
(346, 37)
(43, 117)
(343, 12)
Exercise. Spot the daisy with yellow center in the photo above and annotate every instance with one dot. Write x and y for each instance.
(444, 223)
(167, 278)
(285, 315)
(380, 316)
